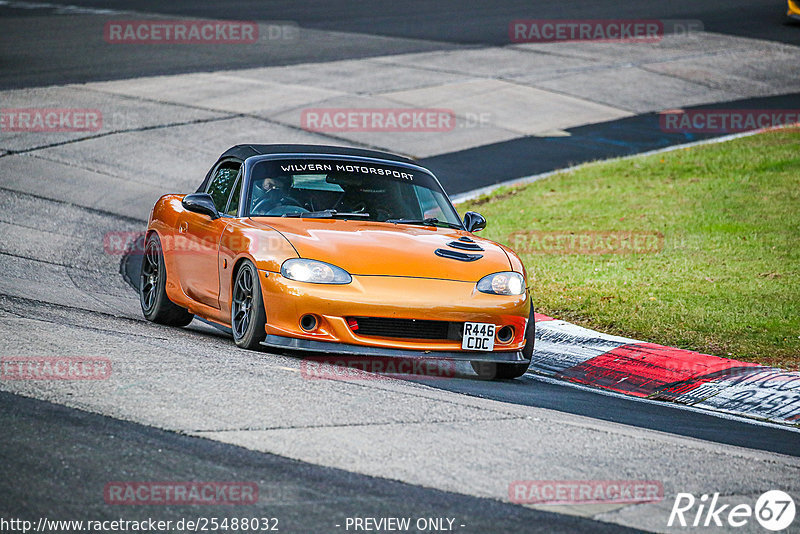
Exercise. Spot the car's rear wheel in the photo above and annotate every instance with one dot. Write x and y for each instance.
(247, 308)
(497, 371)
(156, 306)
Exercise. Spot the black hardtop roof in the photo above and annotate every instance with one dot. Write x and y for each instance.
(245, 151)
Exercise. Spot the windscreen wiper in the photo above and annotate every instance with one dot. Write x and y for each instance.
(326, 214)
(430, 221)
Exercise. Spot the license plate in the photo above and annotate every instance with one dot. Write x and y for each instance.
(478, 336)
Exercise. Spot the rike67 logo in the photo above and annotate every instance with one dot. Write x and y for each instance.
(774, 510)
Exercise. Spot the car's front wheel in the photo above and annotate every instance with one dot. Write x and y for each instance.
(156, 306)
(493, 370)
(247, 308)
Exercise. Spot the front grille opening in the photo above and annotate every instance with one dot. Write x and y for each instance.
(405, 328)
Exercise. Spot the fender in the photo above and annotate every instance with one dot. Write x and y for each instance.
(267, 249)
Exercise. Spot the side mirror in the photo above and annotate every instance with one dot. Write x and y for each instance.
(200, 203)
(474, 221)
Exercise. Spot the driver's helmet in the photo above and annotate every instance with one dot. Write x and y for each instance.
(270, 190)
(281, 182)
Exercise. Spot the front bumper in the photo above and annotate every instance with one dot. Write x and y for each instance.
(287, 301)
(327, 347)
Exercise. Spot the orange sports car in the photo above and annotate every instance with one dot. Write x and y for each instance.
(793, 10)
(336, 250)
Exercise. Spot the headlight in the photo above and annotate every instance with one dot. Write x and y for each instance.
(505, 283)
(314, 272)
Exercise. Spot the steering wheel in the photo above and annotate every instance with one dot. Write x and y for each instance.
(284, 201)
(358, 207)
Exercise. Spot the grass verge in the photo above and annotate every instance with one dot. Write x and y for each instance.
(697, 248)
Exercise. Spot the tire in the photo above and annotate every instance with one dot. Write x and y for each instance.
(247, 308)
(156, 306)
(501, 371)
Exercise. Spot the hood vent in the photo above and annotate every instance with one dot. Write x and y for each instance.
(456, 255)
(465, 245)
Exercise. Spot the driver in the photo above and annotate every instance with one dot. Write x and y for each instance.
(272, 192)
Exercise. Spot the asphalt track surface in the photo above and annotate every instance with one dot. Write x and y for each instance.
(532, 391)
(67, 446)
(59, 458)
(46, 45)
(477, 22)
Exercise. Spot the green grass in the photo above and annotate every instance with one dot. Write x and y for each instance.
(725, 281)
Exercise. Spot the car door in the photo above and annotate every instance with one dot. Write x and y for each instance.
(197, 241)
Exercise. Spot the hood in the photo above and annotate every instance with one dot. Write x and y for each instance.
(385, 249)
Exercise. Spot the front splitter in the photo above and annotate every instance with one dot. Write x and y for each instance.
(309, 345)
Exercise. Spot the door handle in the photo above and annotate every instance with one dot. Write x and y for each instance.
(183, 227)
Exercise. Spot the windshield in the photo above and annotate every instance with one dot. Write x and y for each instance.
(346, 189)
